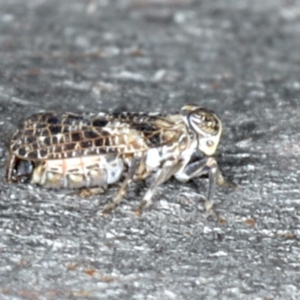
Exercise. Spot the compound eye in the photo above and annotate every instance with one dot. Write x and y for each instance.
(210, 143)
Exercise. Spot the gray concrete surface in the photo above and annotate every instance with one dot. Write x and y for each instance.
(240, 58)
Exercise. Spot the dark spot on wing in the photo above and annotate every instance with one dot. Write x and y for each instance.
(30, 139)
(34, 145)
(44, 132)
(89, 134)
(58, 149)
(69, 147)
(86, 144)
(154, 139)
(55, 129)
(99, 142)
(43, 153)
(144, 127)
(47, 141)
(99, 122)
(22, 151)
(76, 136)
(54, 140)
(53, 120)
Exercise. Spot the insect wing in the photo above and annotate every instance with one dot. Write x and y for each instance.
(55, 136)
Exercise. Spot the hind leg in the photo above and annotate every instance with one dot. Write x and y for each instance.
(164, 174)
(122, 191)
(10, 165)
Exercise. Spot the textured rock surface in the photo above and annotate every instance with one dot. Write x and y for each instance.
(239, 58)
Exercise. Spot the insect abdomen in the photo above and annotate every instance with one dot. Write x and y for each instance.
(89, 171)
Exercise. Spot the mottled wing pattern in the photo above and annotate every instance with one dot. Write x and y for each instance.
(55, 136)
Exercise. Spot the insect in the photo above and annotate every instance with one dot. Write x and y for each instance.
(89, 151)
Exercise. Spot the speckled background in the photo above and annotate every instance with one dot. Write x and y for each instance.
(239, 58)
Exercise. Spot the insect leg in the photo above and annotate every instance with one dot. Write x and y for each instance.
(202, 167)
(118, 198)
(18, 169)
(161, 176)
(10, 167)
(207, 165)
(88, 192)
